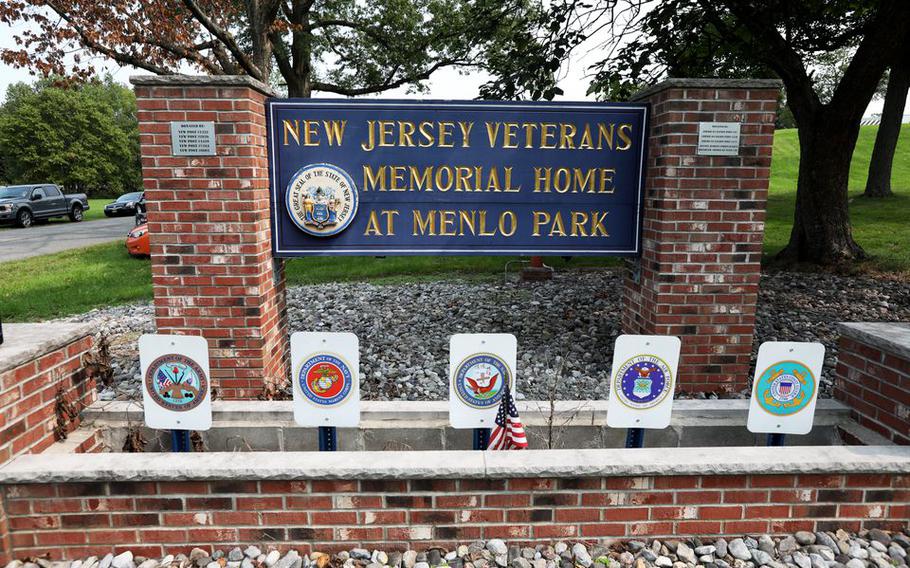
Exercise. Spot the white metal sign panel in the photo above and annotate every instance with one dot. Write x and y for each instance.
(325, 371)
(785, 387)
(718, 138)
(176, 386)
(480, 365)
(642, 381)
(193, 138)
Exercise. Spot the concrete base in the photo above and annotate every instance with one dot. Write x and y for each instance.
(424, 426)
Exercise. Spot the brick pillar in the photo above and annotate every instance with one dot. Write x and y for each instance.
(212, 268)
(703, 226)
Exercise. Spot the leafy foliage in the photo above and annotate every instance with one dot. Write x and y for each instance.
(348, 47)
(83, 137)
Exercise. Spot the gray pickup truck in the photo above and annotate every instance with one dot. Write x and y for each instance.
(25, 204)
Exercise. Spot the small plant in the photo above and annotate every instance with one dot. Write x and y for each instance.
(97, 363)
(134, 443)
(65, 411)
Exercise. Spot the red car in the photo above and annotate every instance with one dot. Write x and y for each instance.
(137, 242)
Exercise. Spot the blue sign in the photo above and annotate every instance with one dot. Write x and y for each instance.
(383, 177)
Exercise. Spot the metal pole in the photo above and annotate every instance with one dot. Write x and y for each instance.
(635, 438)
(776, 439)
(481, 438)
(328, 439)
(180, 440)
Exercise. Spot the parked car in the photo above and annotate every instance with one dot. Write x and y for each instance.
(25, 204)
(125, 205)
(140, 210)
(137, 241)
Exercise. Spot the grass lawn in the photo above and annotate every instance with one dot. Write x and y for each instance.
(881, 227)
(77, 281)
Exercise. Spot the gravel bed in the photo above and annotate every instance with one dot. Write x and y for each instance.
(839, 549)
(565, 327)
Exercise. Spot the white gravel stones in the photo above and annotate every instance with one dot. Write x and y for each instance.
(582, 557)
(497, 546)
(739, 549)
(270, 559)
(123, 560)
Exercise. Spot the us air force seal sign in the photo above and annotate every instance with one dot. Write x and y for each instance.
(479, 380)
(176, 387)
(643, 382)
(785, 387)
(325, 379)
(176, 382)
(322, 199)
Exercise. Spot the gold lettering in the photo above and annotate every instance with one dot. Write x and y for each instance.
(492, 132)
(293, 130)
(445, 135)
(369, 144)
(547, 132)
(447, 223)
(510, 135)
(386, 135)
(540, 218)
(530, 127)
(604, 135)
(567, 136)
(466, 218)
(373, 226)
(606, 180)
(426, 131)
(597, 223)
(509, 188)
(625, 134)
(310, 132)
(397, 176)
(562, 180)
(483, 225)
(465, 133)
(376, 179)
(449, 178)
(513, 223)
(406, 134)
(558, 228)
(390, 221)
(334, 131)
(493, 180)
(542, 180)
(586, 139)
(463, 178)
(425, 225)
(579, 218)
(586, 182)
(422, 181)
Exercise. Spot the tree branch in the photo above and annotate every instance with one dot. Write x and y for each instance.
(225, 38)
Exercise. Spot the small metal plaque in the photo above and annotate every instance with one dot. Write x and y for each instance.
(718, 138)
(193, 138)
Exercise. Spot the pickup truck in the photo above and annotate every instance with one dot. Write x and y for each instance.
(25, 204)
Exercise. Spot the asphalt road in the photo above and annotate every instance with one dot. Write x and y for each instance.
(17, 243)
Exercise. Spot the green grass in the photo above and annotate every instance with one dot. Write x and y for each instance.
(77, 281)
(72, 282)
(881, 227)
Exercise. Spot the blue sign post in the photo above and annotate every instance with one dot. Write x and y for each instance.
(378, 177)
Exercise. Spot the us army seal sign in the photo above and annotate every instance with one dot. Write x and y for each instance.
(322, 199)
(176, 389)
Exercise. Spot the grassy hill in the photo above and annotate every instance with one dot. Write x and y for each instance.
(882, 227)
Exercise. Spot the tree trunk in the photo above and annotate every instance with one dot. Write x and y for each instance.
(822, 232)
(879, 182)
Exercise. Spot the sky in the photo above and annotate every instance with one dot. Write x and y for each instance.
(444, 84)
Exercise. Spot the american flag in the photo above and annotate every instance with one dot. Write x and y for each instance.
(509, 434)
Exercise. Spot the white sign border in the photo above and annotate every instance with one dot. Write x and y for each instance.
(464, 345)
(345, 346)
(664, 347)
(153, 346)
(770, 353)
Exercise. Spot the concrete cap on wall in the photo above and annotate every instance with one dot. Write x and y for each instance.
(892, 337)
(706, 83)
(24, 342)
(202, 81)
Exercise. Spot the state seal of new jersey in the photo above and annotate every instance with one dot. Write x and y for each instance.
(176, 382)
(325, 379)
(321, 199)
(643, 382)
(785, 388)
(479, 380)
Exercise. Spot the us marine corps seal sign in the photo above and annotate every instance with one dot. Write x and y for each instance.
(480, 366)
(642, 381)
(176, 390)
(326, 379)
(785, 387)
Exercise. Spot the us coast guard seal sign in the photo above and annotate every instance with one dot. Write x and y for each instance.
(642, 381)
(785, 387)
(176, 389)
(326, 379)
(480, 365)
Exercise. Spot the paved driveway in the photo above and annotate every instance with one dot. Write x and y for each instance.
(17, 243)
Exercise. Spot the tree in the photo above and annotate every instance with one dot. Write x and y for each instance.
(878, 184)
(85, 138)
(348, 47)
(783, 38)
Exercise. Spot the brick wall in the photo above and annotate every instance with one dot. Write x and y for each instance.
(72, 520)
(212, 268)
(703, 226)
(874, 381)
(28, 399)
